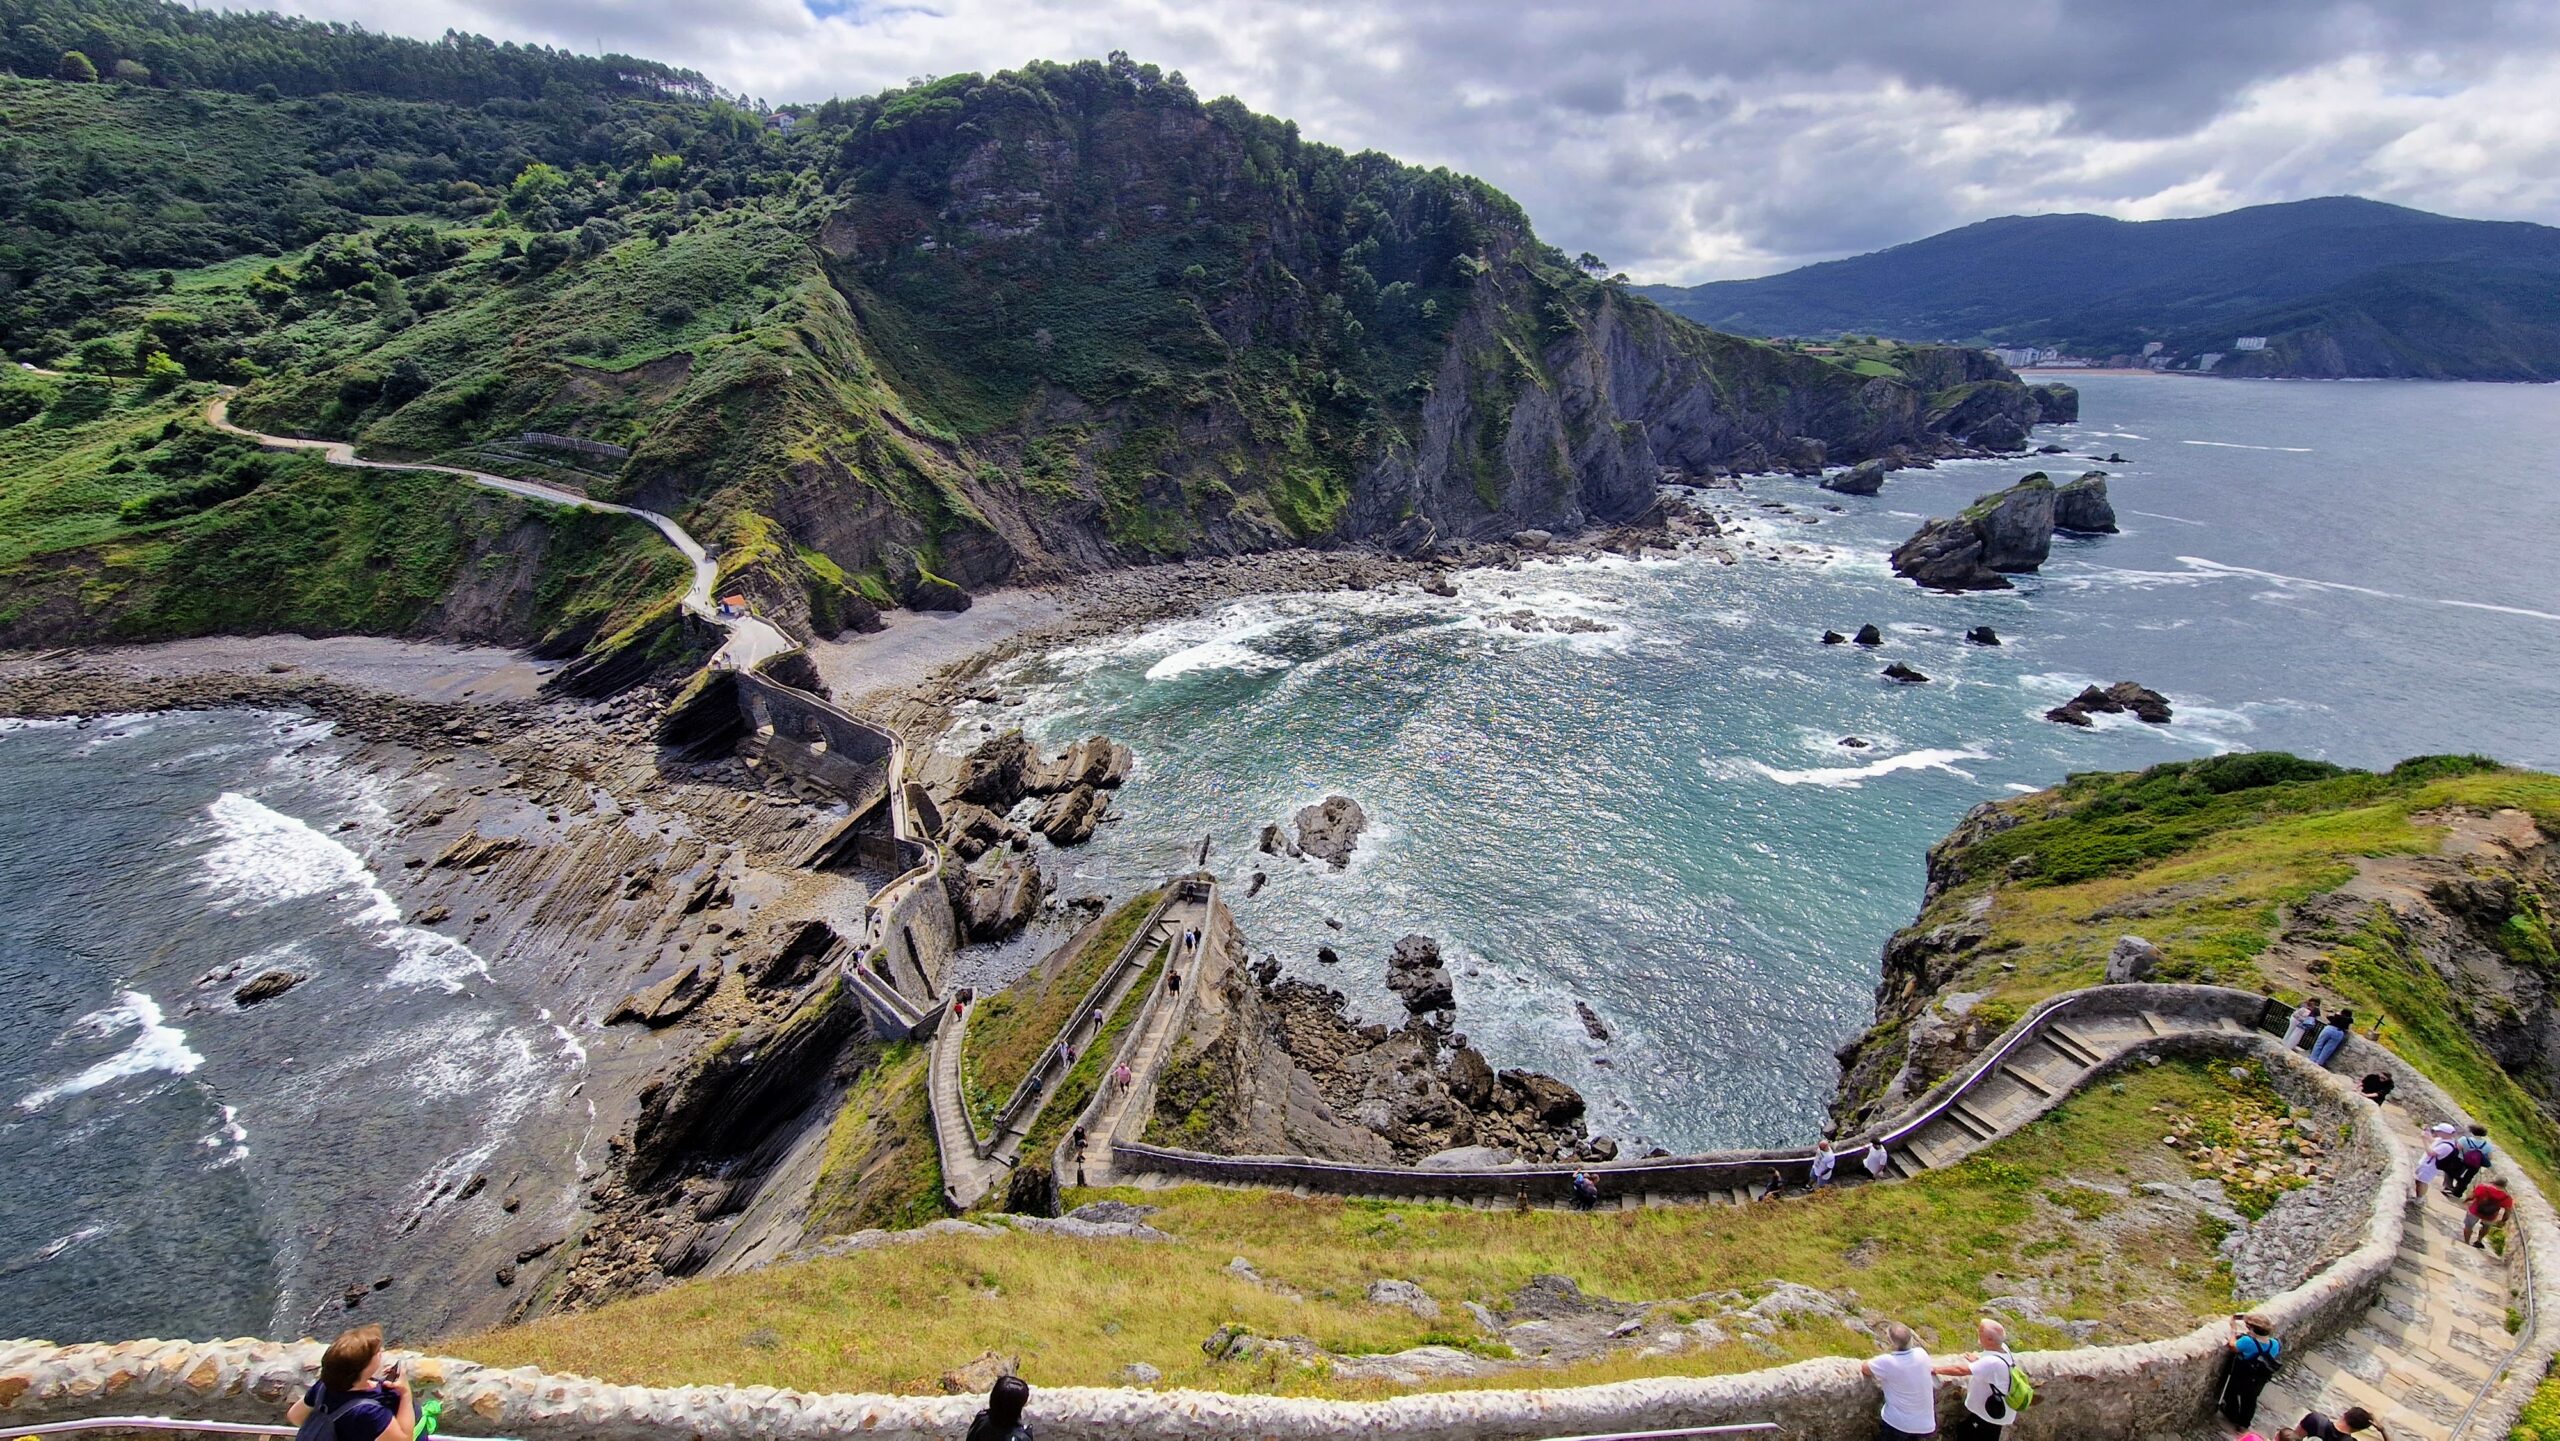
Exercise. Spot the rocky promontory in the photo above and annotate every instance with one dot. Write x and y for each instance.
(2124, 696)
(2005, 532)
(2082, 505)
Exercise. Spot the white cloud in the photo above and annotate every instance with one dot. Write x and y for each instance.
(1695, 141)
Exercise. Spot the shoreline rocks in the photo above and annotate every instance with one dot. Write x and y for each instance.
(1327, 831)
(1864, 478)
(2005, 532)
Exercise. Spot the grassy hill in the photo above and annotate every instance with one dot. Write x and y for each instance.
(2340, 286)
(985, 328)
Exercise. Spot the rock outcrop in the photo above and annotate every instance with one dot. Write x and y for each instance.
(1004, 771)
(2144, 703)
(1329, 830)
(1415, 974)
(1902, 673)
(1864, 478)
(2082, 506)
(2006, 531)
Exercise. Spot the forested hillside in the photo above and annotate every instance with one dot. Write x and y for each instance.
(2339, 286)
(879, 351)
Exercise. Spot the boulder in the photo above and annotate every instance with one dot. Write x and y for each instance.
(1467, 1158)
(1902, 674)
(1833, 637)
(1946, 555)
(1855, 743)
(1592, 1025)
(997, 901)
(1864, 478)
(1405, 1295)
(1470, 1076)
(994, 774)
(972, 830)
(1415, 974)
(1068, 818)
(2145, 704)
(266, 986)
(1438, 583)
(977, 1377)
(1542, 1096)
(1869, 636)
(667, 1001)
(2000, 433)
(1275, 842)
(2055, 403)
(2132, 959)
(2016, 524)
(1983, 635)
(931, 592)
(1097, 761)
(1330, 830)
(2082, 506)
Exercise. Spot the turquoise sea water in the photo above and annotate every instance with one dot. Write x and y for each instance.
(1658, 819)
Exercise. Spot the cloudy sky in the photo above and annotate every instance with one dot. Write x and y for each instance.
(1688, 140)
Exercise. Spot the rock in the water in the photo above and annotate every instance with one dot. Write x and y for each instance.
(998, 900)
(1904, 674)
(1983, 635)
(1833, 637)
(1275, 842)
(1438, 583)
(2082, 506)
(2133, 959)
(1999, 433)
(2007, 530)
(1328, 956)
(266, 986)
(993, 774)
(1864, 478)
(1591, 1023)
(1068, 818)
(2055, 403)
(2144, 703)
(1330, 830)
(1869, 636)
(1855, 743)
(1540, 1095)
(1415, 974)
(1259, 881)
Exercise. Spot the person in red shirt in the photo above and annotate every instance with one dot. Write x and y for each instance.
(2490, 1205)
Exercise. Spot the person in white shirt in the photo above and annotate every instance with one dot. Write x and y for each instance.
(1986, 1374)
(2305, 1020)
(1910, 1386)
(1878, 1159)
(1825, 1161)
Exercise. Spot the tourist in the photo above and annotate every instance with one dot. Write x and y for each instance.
(2470, 1156)
(2490, 1206)
(2354, 1421)
(1120, 1077)
(1879, 1160)
(1986, 1388)
(1173, 981)
(1586, 1191)
(2247, 1367)
(357, 1397)
(1825, 1161)
(2433, 1159)
(2378, 1086)
(2305, 1022)
(1909, 1385)
(2342, 1024)
(1002, 1420)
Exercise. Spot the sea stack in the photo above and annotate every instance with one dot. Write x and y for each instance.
(2082, 506)
(2006, 531)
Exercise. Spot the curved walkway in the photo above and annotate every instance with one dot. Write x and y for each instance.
(751, 640)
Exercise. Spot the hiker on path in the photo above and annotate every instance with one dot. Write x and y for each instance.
(1878, 1159)
(2304, 1022)
(2342, 1023)
(1002, 1420)
(357, 1397)
(1120, 1077)
(1825, 1161)
(1586, 1191)
(2433, 1159)
(1909, 1385)
(2470, 1157)
(2247, 1367)
(2378, 1086)
(2352, 1422)
(1987, 1411)
(2490, 1206)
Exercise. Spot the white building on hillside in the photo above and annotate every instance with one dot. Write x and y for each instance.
(2250, 342)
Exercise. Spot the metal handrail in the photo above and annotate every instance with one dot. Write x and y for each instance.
(156, 1423)
(1738, 1428)
(2524, 1337)
(2034, 1030)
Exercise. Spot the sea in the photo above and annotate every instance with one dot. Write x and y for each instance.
(1654, 816)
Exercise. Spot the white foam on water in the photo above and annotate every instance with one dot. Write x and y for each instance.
(2284, 582)
(2155, 515)
(1853, 777)
(569, 1046)
(230, 1139)
(157, 1048)
(2235, 445)
(2019, 786)
(51, 1249)
(267, 858)
(11, 724)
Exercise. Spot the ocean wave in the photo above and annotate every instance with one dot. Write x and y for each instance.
(157, 1047)
(267, 858)
(2235, 445)
(2155, 515)
(28, 1260)
(1852, 777)
(230, 1139)
(10, 725)
(2292, 582)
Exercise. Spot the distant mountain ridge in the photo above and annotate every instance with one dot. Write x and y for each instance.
(2337, 286)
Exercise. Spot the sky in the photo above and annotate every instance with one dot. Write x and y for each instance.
(1693, 140)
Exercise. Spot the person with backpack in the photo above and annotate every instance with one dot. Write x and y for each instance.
(2342, 1024)
(2304, 1022)
(1995, 1390)
(1002, 1420)
(2470, 1157)
(357, 1397)
(2350, 1423)
(2247, 1367)
(1586, 1191)
(2435, 1152)
(2490, 1206)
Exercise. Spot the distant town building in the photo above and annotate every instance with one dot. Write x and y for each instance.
(2019, 356)
(2153, 348)
(2208, 360)
(2250, 342)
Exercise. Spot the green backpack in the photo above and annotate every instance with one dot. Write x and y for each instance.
(2022, 1392)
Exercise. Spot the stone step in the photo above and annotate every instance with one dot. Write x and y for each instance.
(2072, 1047)
(2028, 1079)
(1963, 1114)
(1935, 1150)
(1904, 1164)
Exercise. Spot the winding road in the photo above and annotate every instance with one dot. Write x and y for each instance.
(751, 639)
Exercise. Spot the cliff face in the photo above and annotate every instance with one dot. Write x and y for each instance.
(2423, 898)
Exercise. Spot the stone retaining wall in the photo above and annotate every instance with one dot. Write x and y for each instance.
(2101, 1392)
